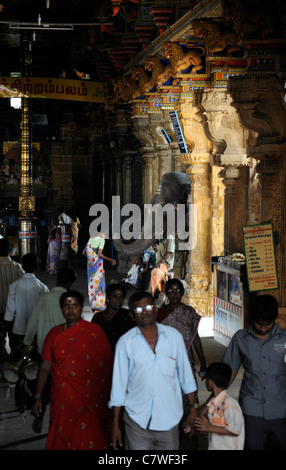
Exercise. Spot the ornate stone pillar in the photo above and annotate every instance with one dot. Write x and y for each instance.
(164, 157)
(118, 177)
(111, 179)
(218, 208)
(260, 104)
(198, 275)
(271, 175)
(235, 181)
(148, 155)
(229, 138)
(141, 127)
(127, 186)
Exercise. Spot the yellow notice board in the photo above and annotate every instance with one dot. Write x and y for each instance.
(260, 257)
(54, 88)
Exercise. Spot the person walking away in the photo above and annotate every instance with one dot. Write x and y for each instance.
(47, 312)
(54, 249)
(224, 422)
(95, 271)
(22, 296)
(10, 271)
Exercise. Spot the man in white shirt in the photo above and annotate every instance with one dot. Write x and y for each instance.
(21, 299)
(47, 312)
(10, 271)
(151, 367)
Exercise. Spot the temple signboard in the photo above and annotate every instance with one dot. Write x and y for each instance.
(53, 88)
(260, 257)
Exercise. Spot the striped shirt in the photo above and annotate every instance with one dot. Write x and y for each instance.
(10, 271)
(224, 411)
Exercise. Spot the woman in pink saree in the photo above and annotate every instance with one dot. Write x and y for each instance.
(79, 358)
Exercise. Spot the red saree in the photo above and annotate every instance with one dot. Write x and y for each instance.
(81, 378)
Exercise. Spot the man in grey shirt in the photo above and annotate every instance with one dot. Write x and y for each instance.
(261, 349)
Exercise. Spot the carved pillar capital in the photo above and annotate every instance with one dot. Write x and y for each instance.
(222, 126)
(193, 128)
(259, 103)
(142, 132)
(230, 175)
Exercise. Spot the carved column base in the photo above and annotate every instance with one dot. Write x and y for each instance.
(200, 300)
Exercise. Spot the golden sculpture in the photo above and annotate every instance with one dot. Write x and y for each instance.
(181, 60)
(215, 39)
(125, 89)
(145, 82)
(160, 73)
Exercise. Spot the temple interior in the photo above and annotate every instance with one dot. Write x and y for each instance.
(119, 93)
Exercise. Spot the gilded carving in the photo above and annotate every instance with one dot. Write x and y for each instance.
(215, 38)
(160, 74)
(26, 204)
(145, 82)
(251, 19)
(125, 89)
(181, 60)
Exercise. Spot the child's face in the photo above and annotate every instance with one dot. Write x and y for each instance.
(208, 385)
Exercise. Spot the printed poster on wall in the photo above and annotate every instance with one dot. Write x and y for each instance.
(260, 257)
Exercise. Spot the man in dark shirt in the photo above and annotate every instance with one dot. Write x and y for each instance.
(261, 349)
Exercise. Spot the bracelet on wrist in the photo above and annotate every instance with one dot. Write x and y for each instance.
(37, 396)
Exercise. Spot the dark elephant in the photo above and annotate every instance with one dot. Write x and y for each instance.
(173, 192)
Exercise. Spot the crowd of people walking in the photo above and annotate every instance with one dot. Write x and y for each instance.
(127, 378)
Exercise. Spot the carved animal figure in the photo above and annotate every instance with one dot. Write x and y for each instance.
(125, 88)
(145, 82)
(181, 60)
(250, 19)
(160, 73)
(174, 188)
(214, 38)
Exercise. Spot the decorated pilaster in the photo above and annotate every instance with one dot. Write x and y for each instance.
(28, 237)
(259, 103)
(229, 140)
(198, 273)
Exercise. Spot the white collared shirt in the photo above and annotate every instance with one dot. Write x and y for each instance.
(150, 385)
(22, 296)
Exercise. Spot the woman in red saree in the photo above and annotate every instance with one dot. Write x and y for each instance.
(80, 360)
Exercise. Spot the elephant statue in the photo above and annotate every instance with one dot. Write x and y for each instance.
(173, 192)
